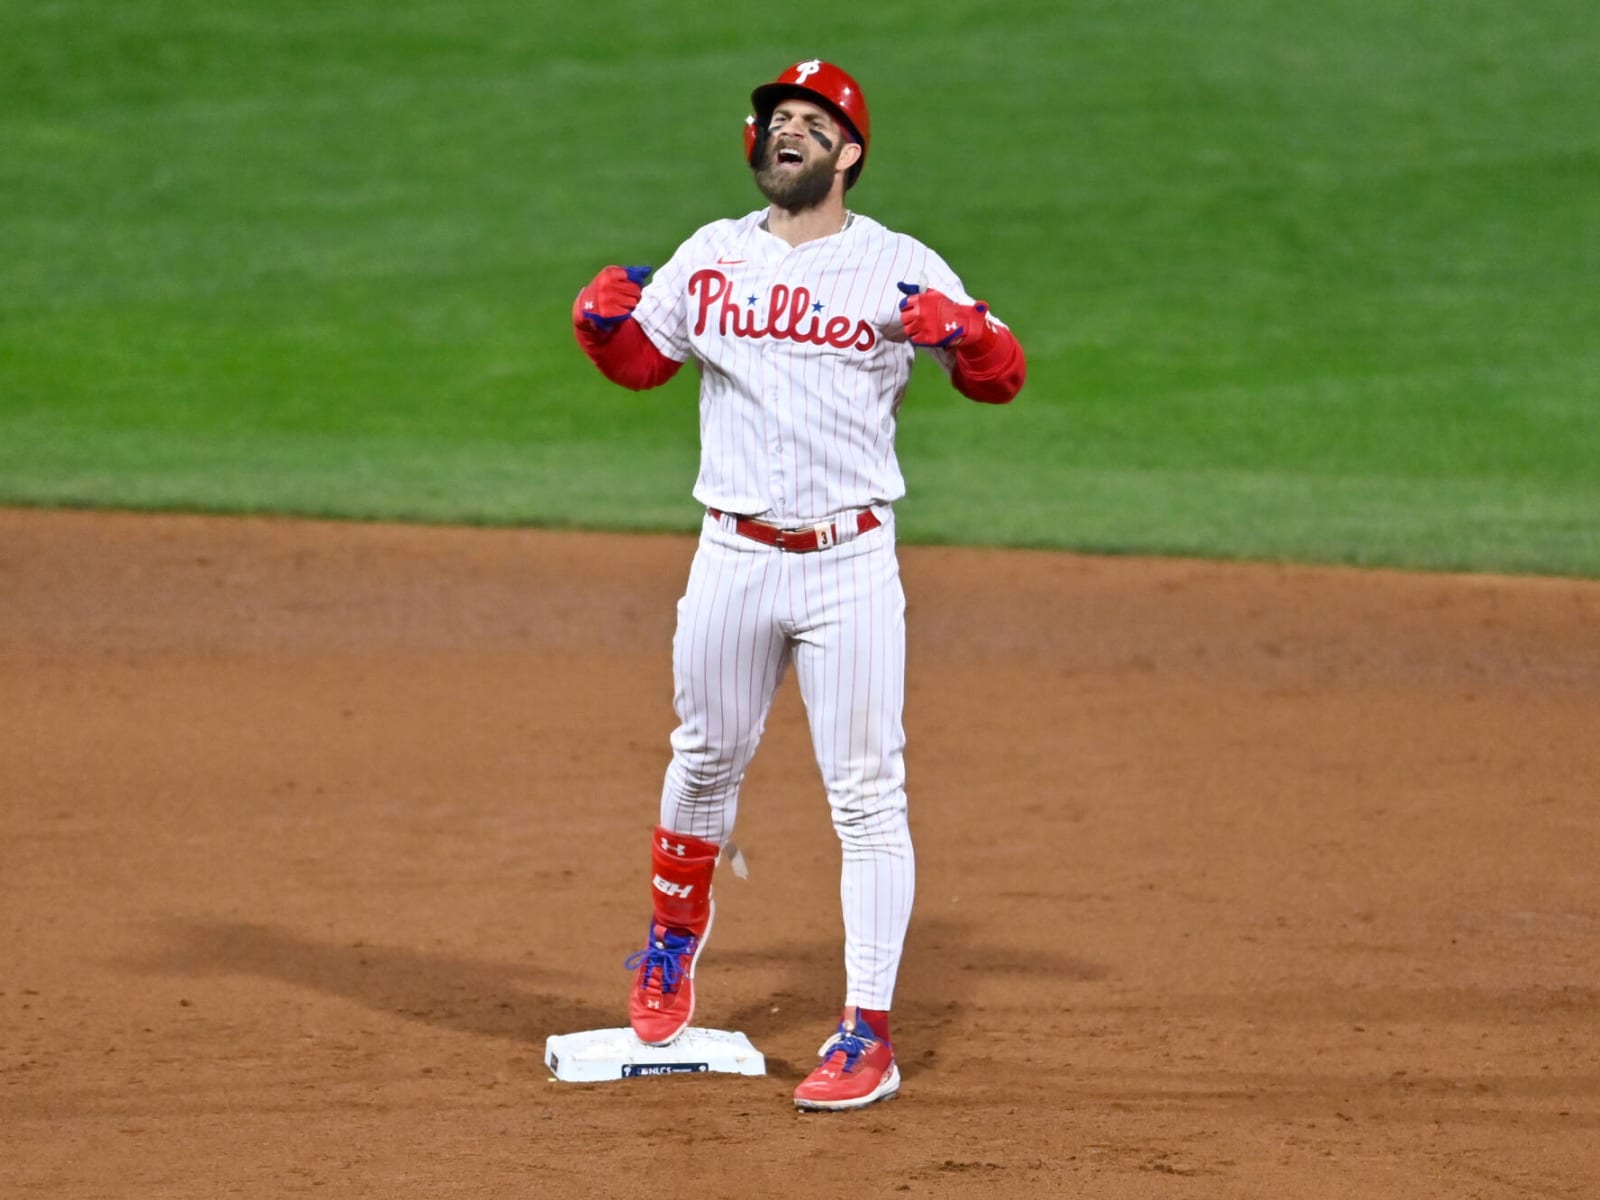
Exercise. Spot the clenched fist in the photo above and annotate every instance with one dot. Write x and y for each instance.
(934, 319)
(610, 297)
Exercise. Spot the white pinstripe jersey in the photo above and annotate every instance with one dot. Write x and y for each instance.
(803, 361)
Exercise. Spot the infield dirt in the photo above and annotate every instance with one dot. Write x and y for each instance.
(1235, 881)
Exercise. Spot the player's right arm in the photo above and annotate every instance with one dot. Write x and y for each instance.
(602, 322)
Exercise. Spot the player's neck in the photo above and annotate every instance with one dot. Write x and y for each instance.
(808, 224)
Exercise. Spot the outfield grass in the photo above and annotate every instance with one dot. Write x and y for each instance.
(1301, 281)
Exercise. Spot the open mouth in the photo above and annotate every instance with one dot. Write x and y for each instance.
(788, 156)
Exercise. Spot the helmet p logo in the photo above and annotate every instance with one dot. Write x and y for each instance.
(804, 71)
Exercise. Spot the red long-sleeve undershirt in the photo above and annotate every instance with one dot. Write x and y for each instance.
(624, 354)
(993, 374)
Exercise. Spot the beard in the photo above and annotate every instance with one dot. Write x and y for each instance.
(796, 190)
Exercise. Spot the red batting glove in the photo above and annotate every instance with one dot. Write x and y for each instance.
(933, 319)
(610, 298)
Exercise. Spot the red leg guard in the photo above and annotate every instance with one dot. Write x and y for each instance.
(681, 887)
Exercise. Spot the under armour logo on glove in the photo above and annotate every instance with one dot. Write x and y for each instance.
(933, 319)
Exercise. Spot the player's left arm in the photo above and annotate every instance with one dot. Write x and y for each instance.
(983, 356)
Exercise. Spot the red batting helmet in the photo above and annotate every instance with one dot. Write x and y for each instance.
(822, 83)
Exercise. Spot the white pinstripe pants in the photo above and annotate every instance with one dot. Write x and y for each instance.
(839, 616)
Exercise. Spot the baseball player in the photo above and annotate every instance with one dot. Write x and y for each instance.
(803, 319)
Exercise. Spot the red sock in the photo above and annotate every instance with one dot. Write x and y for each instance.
(877, 1020)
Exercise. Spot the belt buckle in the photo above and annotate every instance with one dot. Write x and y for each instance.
(821, 537)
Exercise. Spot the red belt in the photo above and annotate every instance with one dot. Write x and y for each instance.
(801, 541)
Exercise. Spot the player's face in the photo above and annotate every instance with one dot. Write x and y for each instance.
(801, 161)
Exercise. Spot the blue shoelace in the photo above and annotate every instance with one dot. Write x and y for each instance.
(852, 1045)
(661, 956)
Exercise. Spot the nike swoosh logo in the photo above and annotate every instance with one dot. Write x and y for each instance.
(728, 262)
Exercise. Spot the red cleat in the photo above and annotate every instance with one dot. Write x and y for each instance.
(857, 1069)
(662, 1001)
